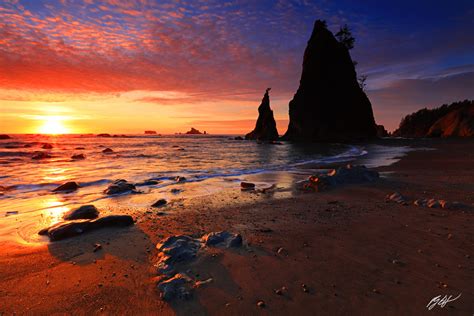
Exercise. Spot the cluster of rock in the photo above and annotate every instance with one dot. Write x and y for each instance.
(265, 128)
(182, 249)
(81, 220)
(120, 186)
(348, 174)
(453, 120)
(431, 203)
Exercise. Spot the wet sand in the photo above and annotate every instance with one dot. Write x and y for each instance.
(356, 253)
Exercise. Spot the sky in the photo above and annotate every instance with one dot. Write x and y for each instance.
(116, 66)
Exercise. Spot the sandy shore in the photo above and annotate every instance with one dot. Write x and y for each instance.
(356, 253)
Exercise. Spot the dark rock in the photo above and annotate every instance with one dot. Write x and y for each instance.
(176, 191)
(78, 157)
(4, 136)
(47, 146)
(67, 187)
(238, 138)
(340, 176)
(222, 238)
(147, 182)
(176, 249)
(329, 104)
(40, 156)
(193, 131)
(265, 128)
(381, 131)
(180, 179)
(79, 148)
(97, 247)
(65, 230)
(177, 287)
(120, 186)
(159, 203)
(83, 212)
(247, 185)
(104, 135)
(453, 120)
(107, 151)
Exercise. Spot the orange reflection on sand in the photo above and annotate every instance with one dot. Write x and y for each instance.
(53, 210)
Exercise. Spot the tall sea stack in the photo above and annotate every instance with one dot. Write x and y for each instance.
(329, 104)
(265, 129)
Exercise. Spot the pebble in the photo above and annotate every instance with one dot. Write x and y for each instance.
(97, 247)
(261, 304)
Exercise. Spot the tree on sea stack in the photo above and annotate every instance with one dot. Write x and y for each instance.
(265, 128)
(329, 104)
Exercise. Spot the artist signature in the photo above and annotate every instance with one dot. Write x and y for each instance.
(441, 301)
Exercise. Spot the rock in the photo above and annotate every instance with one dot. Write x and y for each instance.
(120, 186)
(238, 138)
(67, 187)
(65, 230)
(80, 148)
(421, 202)
(343, 175)
(432, 203)
(4, 136)
(97, 247)
(107, 151)
(329, 104)
(177, 287)
(180, 179)
(453, 120)
(265, 128)
(159, 203)
(247, 185)
(78, 157)
(176, 249)
(47, 146)
(223, 239)
(150, 132)
(261, 304)
(175, 191)
(193, 131)
(381, 131)
(147, 182)
(83, 212)
(104, 135)
(40, 156)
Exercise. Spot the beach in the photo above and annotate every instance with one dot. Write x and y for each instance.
(337, 252)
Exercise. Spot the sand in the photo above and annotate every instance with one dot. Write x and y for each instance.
(355, 253)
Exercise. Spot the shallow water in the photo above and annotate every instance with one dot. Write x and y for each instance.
(209, 164)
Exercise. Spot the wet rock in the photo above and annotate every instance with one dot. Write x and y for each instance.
(40, 156)
(247, 185)
(180, 179)
(83, 212)
(4, 136)
(177, 287)
(432, 203)
(65, 230)
(107, 151)
(343, 175)
(223, 239)
(159, 203)
(120, 186)
(421, 202)
(67, 187)
(97, 247)
(47, 146)
(175, 249)
(261, 304)
(78, 157)
(80, 148)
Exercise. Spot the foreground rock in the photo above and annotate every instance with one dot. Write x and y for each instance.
(65, 230)
(265, 128)
(329, 104)
(67, 187)
(182, 249)
(453, 120)
(120, 186)
(343, 175)
(83, 212)
(247, 185)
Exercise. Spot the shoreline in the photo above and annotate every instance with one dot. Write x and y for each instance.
(341, 243)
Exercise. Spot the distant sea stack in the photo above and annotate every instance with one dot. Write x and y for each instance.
(193, 131)
(329, 104)
(265, 128)
(453, 120)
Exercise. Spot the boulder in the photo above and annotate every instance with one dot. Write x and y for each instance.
(247, 185)
(78, 157)
(65, 230)
(67, 187)
(329, 104)
(265, 128)
(83, 212)
(120, 186)
(177, 287)
(107, 151)
(222, 238)
(47, 146)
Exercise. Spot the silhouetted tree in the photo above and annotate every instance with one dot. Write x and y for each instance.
(361, 80)
(344, 36)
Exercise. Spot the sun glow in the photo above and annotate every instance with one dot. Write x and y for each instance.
(53, 125)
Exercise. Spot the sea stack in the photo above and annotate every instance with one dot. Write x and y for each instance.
(265, 129)
(329, 104)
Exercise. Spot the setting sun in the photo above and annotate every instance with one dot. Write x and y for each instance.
(53, 125)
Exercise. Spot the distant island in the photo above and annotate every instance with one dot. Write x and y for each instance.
(194, 131)
(150, 132)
